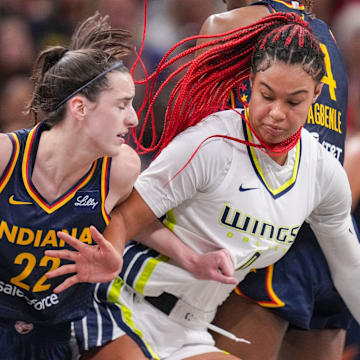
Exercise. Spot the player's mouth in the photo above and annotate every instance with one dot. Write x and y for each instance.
(122, 136)
(273, 130)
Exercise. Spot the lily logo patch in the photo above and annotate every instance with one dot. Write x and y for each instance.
(87, 200)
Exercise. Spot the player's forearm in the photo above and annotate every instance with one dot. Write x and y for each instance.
(160, 238)
(127, 220)
(215, 265)
(116, 231)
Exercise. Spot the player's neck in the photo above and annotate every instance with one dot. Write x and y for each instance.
(281, 160)
(60, 162)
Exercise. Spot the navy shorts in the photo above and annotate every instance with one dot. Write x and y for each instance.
(298, 287)
(26, 341)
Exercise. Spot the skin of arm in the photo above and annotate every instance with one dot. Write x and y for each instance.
(351, 165)
(214, 265)
(129, 218)
(125, 168)
(5, 151)
(230, 20)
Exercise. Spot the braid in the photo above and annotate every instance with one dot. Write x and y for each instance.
(206, 86)
(291, 44)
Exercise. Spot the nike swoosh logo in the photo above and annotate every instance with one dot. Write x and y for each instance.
(241, 188)
(12, 201)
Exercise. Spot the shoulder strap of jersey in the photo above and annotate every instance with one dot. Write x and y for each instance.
(105, 185)
(280, 5)
(6, 175)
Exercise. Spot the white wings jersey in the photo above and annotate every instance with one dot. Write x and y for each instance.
(235, 197)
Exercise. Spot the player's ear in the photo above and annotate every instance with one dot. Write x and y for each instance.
(251, 79)
(317, 91)
(77, 106)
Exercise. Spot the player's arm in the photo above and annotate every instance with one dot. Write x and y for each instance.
(214, 265)
(230, 20)
(6, 148)
(351, 165)
(125, 168)
(102, 262)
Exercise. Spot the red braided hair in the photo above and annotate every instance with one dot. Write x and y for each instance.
(209, 79)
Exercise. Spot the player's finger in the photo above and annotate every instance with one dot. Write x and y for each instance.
(97, 237)
(62, 270)
(66, 284)
(62, 254)
(73, 242)
(226, 264)
(218, 276)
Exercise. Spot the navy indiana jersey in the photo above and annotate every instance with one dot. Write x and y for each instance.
(327, 117)
(28, 226)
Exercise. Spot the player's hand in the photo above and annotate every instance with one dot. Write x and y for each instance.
(215, 265)
(91, 263)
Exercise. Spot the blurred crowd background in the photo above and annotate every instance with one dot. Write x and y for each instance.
(28, 26)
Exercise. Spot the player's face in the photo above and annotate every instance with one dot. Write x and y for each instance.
(111, 116)
(280, 101)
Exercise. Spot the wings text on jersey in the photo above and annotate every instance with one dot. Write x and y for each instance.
(236, 220)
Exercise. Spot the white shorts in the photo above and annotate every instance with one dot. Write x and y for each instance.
(159, 336)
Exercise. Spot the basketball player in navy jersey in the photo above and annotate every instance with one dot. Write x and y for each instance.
(65, 174)
(295, 293)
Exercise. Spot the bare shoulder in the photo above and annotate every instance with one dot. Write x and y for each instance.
(351, 165)
(125, 168)
(6, 148)
(230, 20)
(352, 152)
